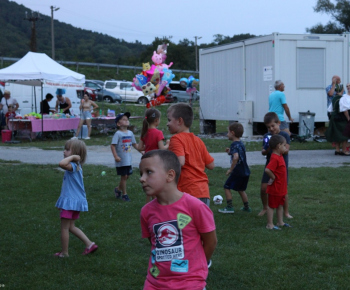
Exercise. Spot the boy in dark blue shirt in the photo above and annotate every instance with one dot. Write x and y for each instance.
(239, 171)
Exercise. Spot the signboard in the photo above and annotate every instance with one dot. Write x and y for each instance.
(267, 74)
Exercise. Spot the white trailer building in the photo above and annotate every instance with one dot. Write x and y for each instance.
(236, 79)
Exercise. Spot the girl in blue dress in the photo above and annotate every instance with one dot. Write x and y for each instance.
(73, 197)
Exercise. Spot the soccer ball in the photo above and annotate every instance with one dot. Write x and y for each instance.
(217, 199)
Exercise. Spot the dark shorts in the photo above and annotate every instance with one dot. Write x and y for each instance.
(265, 178)
(205, 200)
(237, 183)
(275, 201)
(69, 214)
(124, 170)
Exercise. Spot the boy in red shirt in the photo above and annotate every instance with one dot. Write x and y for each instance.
(191, 151)
(180, 228)
(277, 185)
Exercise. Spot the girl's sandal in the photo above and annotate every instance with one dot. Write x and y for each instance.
(60, 255)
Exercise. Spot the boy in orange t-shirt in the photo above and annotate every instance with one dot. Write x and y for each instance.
(191, 151)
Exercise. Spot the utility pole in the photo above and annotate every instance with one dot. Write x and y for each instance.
(33, 18)
(53, 8)
(195, 47)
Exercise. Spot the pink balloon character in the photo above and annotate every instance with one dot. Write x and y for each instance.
(154, 75)
(158, 61)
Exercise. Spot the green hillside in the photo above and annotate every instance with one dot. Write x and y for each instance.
(75, 44)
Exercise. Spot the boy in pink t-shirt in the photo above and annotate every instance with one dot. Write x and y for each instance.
(180, 228)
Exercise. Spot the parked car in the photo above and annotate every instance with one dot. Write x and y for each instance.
(178, 94)
(92, 93)
(127, 92)
(102, 94)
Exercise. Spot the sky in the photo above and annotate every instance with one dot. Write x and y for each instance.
(144, 20)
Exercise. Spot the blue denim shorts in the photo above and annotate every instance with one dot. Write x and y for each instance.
(86, 115)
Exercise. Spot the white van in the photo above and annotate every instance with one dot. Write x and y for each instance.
(126, 91)
(29, 97)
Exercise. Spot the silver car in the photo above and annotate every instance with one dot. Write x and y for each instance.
(102, 93)
(178, 93)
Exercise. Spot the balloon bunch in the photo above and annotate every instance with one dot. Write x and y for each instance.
(191, 84)
(153, 80)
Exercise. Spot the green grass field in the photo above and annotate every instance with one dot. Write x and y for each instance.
(314, 254)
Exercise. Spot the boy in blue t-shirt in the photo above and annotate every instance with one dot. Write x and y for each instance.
(273, 126)
(239, 171)
(122, 141)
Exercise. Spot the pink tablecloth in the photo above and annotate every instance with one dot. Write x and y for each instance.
(55, 124)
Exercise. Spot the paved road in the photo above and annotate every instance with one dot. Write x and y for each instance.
(101, 155)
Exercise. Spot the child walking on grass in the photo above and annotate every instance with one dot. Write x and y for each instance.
(151, 137)
(73, 197)
(122, 141)
(239, 171)
(277, 184)
(180, 228)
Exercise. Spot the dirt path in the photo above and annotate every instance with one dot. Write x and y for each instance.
(101, 155)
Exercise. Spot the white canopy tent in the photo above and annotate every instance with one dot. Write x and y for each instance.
(36, 69)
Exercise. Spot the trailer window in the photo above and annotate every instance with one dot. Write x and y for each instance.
(310, 68)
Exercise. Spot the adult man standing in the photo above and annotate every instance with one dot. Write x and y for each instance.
(278, 104)
(332, 90)
(63, 104)
(5, 102)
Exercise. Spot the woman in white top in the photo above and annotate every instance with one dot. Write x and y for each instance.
(85, 114)
(344, 106)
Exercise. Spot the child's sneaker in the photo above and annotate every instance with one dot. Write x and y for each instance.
(247, 209)
(125, 197)
(227, 210)
(118, 193)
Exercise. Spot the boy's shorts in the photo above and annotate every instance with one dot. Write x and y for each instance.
(275, 201)
(124, 170)
(237, 183)
(265, 178)
(69, 214)
(205, 200)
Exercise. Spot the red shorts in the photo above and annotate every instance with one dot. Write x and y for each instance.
(276, 200)
(69, 214)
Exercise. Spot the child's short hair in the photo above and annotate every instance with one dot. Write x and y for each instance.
(77, 147)
(10, 106)
(184, 111)
(271, 117)
(275, 140)
(169, 159)
(150, 116)
(237, 128)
